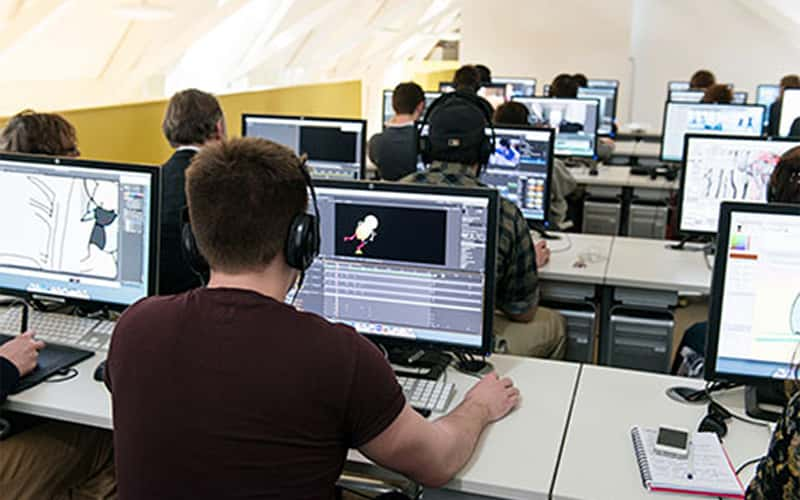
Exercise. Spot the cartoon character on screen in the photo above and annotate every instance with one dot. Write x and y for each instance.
(364, 233)
(100, 200)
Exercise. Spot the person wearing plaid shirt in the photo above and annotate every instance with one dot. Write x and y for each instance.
(522, 327)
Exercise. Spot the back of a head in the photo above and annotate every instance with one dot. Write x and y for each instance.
(243, 195)
(484, 74)
(39, 133)
(790, 82)
(456, 130)
(511, 113)
(191, 118)
(406, 98)
(718, 94)
(564, 86)
(467, 79)
(702, 80)
(581, 79)
(784, 185)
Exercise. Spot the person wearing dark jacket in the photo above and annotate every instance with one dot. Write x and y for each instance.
(193, 118)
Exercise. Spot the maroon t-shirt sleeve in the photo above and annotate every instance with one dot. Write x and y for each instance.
(376, 398)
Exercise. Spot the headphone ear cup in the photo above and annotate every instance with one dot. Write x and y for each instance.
(302, 244)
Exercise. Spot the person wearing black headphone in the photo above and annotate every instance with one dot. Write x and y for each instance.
(456, 148)
(228, 391)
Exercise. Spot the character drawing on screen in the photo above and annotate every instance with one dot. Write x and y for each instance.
(364, 233)
(505, 154)
(97, 211)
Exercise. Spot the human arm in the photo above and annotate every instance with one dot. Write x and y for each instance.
(777, 473)
(433, 452)
(17, 358)
(517, 286)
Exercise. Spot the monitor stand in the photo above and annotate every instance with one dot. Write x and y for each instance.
(474, 366)
(416, 363)
(756, 396)
(709, 243)
(539, 228)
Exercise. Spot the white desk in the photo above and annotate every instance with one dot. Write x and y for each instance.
(620, 177)
(640, 149)
(593, 249)
(516, 457)
(598, 460)
(643, 263)
(81, 400)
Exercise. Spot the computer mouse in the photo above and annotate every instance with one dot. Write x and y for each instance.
(100, 371)
(593, 171)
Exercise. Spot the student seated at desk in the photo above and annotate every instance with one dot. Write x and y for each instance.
(193, 119)
(226, 391)
(457, 135)
(394, 151)
(718, 94)
(784, 187)
(702, 79)
(468, 79)
(566, 87)
(46, 458)
(563, 182)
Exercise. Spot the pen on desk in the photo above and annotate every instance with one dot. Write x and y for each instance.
(23, 324)
(690, 458)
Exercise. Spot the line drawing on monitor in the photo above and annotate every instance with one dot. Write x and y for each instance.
(336, 147)
(575, 121)
(406, 264)
(710, 119)
(724, 168)
(83, 230)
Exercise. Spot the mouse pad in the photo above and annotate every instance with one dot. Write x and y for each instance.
(51, 359)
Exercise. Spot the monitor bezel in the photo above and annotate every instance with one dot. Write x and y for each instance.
(550, 155)
(154, 226)
(670, 82)
(682, 187)
(596, 121)
(614, 86)
(360, 121)
(718, 285)
(696, 91)
(683, 154)
(506, 80)
(493, 220)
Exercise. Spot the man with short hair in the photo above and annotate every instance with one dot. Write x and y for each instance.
(226, 391)
(467, 79)
(193, 118)
(394, 151)
(456, 131)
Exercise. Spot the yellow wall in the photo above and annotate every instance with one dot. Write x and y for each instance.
(132, 132)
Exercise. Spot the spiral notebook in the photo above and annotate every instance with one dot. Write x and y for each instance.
(714, 474)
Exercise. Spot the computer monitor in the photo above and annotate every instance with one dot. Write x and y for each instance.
(607, 96)
(709, 119)
(767, 93)
(78, 231)
(388, 109)
(445, 87)
(724, 168)
(335, 147)
(517, 87)
(686, 95)
(546, 90)
(790, 111)
(575, 121)
(521, 168)
(603, 83)
(406, 264)
(739, 97)
(754, 314)
(494, 93)
(677, 85)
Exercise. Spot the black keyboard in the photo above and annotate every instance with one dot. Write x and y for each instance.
(53, 358)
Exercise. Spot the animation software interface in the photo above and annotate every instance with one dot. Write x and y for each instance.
(518, 169)
(574, 120)
(760, 319)
(388, 110)
(720, 169)
(607, 97)
(334, 148)
(77, 232)
(401, 264)
(709, 119)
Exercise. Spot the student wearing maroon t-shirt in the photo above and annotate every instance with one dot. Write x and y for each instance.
(228, 392)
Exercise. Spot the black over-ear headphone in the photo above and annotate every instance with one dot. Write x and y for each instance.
(486, 144)
(302, 242)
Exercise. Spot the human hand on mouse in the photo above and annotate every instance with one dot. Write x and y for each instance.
(23, 352)
(542, 253)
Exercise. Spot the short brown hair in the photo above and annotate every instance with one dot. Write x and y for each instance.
(39, 133)
(702, 79)
(191, 118)
(564, 86)
(243, 195)
(718, 94)
(785, 180)
(511, 113)
(406, 98)
(467, 78)
(790, 82)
